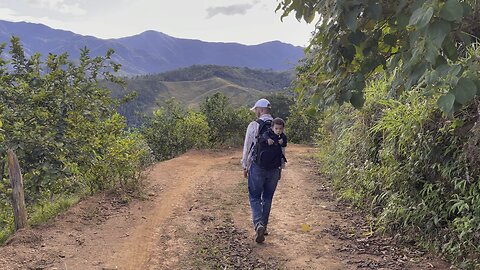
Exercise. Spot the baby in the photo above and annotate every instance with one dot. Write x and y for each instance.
(275, 136)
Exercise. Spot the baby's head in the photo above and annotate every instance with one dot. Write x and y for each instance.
(278, 125)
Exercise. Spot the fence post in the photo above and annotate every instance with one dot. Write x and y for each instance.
(18, 198)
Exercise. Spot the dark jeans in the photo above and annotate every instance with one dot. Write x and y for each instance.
(261, 187)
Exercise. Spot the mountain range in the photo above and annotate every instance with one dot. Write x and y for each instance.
(153, 52)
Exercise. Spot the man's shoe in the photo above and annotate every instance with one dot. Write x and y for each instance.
(266, 231)
(260, 234)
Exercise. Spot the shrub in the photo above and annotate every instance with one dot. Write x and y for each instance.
(172, 130)
(412, 169)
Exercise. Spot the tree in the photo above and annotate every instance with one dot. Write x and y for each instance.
(428, 45)
(172, 130)
(62, 124)
(280, 105)
(226, 124)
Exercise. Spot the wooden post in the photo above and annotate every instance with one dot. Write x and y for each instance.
(18, 200)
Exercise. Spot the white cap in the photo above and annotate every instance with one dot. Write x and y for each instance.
(261, 103)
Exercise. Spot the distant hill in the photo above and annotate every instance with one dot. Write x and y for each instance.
(191, 85)
(153, 52)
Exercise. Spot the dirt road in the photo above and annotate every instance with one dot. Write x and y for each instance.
(196, 216)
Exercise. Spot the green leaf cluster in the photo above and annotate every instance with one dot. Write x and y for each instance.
(422, 44)
(414, 171)
(226, 125)
(172, 130)
(64, 128)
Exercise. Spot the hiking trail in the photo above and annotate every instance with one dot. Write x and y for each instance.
(196, 215)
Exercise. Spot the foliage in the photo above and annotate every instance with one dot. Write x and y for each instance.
(281, 104)
(266, 80)
(227, 126)
(426, 45)
(190, 86)
(45, 210)
(415, 171)
(403, 156)
(302, 124)
(63, 127)
(173, 130)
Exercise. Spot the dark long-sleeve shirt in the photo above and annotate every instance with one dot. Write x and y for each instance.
(269, 134)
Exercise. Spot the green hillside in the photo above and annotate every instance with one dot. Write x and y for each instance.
(191, 85)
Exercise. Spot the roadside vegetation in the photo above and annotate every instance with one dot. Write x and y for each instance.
(64, 126)
(394, 86)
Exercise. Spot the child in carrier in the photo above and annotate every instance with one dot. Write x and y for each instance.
(275, 136)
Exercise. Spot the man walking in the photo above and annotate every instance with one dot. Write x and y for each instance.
(262, 181)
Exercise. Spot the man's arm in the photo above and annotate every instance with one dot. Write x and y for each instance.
(248, 143)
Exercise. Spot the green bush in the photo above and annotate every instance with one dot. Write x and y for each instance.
(64, 128)
(227, 125)
(301, 125)
(415, 171)
(172, 130)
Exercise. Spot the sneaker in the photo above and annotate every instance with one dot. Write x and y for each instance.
(260, 234)
(266, 231)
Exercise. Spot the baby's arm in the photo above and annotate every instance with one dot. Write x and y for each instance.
(266, 138)
(283, 137)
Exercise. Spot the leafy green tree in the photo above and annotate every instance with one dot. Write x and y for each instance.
(429, 45)
(302, 124)
(226, 125)
(280, 105)
(63, 126)
(173, 130)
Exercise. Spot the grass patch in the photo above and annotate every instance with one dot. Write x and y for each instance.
(47, 210)
(5, 233)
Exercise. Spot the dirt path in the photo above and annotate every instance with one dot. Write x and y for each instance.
(197, 216)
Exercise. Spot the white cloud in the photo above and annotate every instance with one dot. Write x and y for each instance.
(240, 9)
(7, 13)
(11, 15)
(59, 6)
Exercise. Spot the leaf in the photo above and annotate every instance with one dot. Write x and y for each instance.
(477, 83)
(357, 99)
(356, 37)
(421, 17)
(306, 227)
(467, 9)
(390, 39)
(432, 52)
(437, 32)
(450, 49)
(445, 102)
(440, 61)
(443, 70)
(375, 10)
(348, 52)
(452, 10)
(308, 17)
(464, 91)
(351, 18)
(402, 20)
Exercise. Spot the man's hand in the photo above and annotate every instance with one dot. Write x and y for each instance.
(280, 141)
(270, 141)
(245, 173)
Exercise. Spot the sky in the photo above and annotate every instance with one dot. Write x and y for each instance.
(243, 21)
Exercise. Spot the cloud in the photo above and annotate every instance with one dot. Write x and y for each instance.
(237, 9)
(59, 6)
(13, 16)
